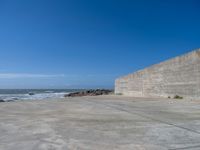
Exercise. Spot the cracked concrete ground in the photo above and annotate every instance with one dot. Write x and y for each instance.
(100, 123)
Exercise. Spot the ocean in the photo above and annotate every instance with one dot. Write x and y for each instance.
(33, 94)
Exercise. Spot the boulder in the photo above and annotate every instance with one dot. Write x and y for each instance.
(2, 100)
(90, 93)
(31, 93)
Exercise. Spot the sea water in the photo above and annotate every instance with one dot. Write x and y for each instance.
(33, 94)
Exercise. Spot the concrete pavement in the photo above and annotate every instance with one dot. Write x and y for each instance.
(100, 123)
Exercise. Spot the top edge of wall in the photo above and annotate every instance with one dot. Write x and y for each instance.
(197, 51)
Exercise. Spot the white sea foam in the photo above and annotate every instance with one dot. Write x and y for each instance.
(33, 95)
(44, 96)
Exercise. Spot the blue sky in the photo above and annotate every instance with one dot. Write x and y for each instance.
(88, 43)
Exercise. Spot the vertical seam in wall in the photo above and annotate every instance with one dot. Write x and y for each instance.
(198, 79)
(143, 76)
(143, 85)
(196, 70)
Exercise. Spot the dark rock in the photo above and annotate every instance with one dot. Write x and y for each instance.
(31, 93)
(90, 93)
(2, 100)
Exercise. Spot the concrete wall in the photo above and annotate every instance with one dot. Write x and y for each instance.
(177, 76)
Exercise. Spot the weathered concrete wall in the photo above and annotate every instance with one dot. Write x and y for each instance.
(177, 76)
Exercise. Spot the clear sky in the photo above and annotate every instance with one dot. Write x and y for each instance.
(88, 43)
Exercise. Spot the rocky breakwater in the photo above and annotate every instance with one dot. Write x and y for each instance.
(90, 93)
